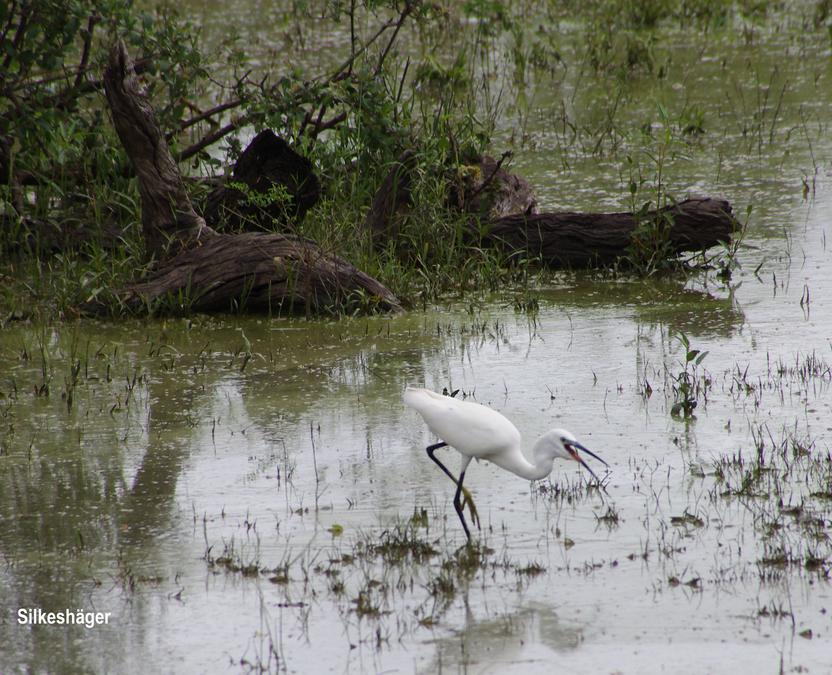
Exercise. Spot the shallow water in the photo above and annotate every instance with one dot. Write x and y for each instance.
(217, 484)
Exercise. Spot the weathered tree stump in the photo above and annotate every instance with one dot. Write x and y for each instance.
(482, 189)
(211, 271)
(267, 163)
(169, 221)
(566, 239)
(391, 199)
(487, 191)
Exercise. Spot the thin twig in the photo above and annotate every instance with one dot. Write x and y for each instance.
(352, 30)
(11, 10)
(332, 122)
(210, 139)
(408, 8)
(348, 63)
(316, 129)
(216, 110)
(18, 38)
(491, 176)
(85, 51)
(401, 90)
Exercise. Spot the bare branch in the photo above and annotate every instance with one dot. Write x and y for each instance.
(167, 213)
(216, 110)
(85, 52)
(344, 67)
(490, 177)
(25, 14)
(11, 10)
(330, 123)
(210, 139)
(408, 8)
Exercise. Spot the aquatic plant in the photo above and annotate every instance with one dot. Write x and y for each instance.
(689, 385)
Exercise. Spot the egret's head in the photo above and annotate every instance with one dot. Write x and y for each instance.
(566, 446)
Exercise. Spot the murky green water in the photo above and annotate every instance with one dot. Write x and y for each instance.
(194, 452)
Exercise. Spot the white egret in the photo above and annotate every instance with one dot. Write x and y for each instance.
(482, 433)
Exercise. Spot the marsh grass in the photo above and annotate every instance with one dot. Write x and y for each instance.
(379, 570)
(784, 484)
(244, 560)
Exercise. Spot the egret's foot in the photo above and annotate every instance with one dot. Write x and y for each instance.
(472, 508)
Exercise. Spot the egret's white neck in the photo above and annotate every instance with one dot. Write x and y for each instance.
(520, 465)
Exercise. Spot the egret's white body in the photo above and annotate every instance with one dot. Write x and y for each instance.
(476, 431)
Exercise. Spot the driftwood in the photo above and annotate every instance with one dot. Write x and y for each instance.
(212, 271)
(258, 272)
(585, 239)
(266, 163)
(502, 212)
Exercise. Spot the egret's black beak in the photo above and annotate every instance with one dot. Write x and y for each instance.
(572, 448)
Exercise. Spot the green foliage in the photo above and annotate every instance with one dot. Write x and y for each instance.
(274, 206)
(691, 121)
(492, 16)
(58, 152)
(650, 251)
(688, 384)
(436, 76)
(63, 166)
(619, 37)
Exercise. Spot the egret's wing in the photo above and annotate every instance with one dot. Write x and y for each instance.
(469, 427)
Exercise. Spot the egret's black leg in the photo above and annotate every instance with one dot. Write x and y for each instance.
(433, 448)
(458, 505)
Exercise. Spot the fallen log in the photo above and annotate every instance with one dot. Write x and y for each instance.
(566, 239)
(202, 270)
(256, 271)
(502, 212)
